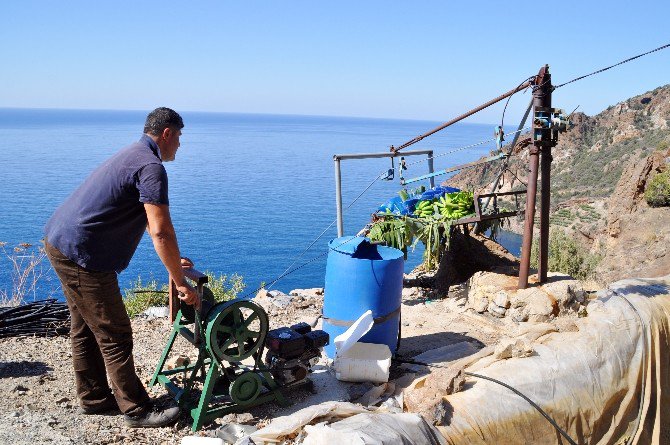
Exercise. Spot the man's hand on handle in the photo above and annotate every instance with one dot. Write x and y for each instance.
(187, 294)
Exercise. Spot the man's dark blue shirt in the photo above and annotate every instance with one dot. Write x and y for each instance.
(100, 225)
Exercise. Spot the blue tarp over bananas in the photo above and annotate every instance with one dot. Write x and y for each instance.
(428, 221)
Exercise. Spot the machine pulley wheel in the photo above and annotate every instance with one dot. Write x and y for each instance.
(245, 388)
(235, 330)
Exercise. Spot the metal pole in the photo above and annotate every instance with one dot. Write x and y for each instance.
(531, 194)
(523, 86)
(430, 169)
(544, 97)
(338, 197)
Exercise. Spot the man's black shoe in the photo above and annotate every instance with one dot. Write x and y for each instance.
(107, 407)
(153, 418)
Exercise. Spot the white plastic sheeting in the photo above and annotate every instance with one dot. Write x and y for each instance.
(347, 423)
(607, 383)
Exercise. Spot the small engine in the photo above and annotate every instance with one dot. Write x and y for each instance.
(293, 351)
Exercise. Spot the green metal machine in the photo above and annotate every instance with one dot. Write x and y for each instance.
(231, 338)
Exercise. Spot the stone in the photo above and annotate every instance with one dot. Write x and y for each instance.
(540, 307)
(496, 311)
(156, 312)
(282, 301)
(513, 347)
(262, 293)
(564, 289)
(483, 287)
(314, 292)
(518, 314)
(480, 304)
(458, 291)
(410, 292)
(501, 299)
(177, 361)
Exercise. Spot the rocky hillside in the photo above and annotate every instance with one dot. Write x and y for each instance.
(601, 168)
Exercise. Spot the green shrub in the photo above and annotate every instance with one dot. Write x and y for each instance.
(657, 193)
(141, 296)
(224, 287)
(566, 255)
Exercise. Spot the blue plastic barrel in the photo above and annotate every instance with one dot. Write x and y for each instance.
(362, 276)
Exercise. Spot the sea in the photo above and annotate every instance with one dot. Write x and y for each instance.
(250, 194)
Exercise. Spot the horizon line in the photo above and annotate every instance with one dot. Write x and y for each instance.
(2, 107)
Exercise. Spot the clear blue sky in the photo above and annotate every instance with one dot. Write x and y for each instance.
(417, 60)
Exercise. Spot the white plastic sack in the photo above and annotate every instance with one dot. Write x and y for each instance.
(375, 429)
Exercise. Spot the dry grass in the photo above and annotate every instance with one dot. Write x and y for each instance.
(26, 264)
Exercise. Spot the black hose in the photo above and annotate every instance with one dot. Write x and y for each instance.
(516, 391)
(44, 318)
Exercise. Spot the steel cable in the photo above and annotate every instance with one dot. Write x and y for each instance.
(612, 66)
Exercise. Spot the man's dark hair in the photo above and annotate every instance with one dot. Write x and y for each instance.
(160, 119)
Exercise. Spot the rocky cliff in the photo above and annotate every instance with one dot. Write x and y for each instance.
(601, 168)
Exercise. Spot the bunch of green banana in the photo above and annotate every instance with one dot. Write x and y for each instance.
(456, 205)
(424, 209)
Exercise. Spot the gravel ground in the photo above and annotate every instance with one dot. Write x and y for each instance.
(39, 404)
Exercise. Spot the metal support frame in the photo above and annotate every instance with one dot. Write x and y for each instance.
(542, 143)
(479, 208)
(338, 175)
(523, 86)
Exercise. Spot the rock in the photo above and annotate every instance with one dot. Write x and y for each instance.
(62, 400)
(314, 292)
(518, 314)
(540, 307)
(282, 301)
(469, 254)
(564, 289)
(508, 348)
(156, 312)
(485, 287)
(501, 299)
(496, 311)
(458, 291)
(410, 292)
(480, 304)
(177, 361)
(262, 293)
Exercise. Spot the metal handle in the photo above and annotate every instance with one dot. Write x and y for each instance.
(197, 308)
